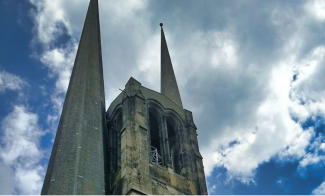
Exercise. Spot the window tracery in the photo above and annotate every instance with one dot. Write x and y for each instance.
(164, 138)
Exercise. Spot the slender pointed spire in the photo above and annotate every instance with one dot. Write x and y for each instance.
(76, 166)
(168, 84)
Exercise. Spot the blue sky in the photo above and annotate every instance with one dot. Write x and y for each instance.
(250, 71)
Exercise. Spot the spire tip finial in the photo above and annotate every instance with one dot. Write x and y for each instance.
(161, 25)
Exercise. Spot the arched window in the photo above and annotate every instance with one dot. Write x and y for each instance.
(115, 141)
(155, 137)
(174, 147)
(164, 138)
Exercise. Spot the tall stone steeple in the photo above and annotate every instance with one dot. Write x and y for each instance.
(168, 84)
(76, 165)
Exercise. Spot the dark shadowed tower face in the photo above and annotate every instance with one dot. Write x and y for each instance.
(146, 142)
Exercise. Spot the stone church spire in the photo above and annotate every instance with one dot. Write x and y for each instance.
(168, 86)
(76, 165)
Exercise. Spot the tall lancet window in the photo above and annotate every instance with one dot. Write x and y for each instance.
(155, 136)
(115, 142)
(174, 147)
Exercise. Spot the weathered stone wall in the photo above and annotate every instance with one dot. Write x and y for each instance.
(137, 174)
(76, 165)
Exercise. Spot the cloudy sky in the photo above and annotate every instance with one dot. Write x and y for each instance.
(251, 71)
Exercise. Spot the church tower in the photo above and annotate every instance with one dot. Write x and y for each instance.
(153, 147)
(145, 143)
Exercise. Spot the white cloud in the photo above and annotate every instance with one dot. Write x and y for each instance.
(275, 134)
(310, 159)
(148, 63)
(296, 149)
(212, 189)
(20, 150)
(53, 19)
(322, 147)
(10, 81)
(272, 130)
(316, 8)
(7, 183)
(48, 23)
(320, 190)
(315, 157)
(214, 49)
(60, 62)
(309, 86)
